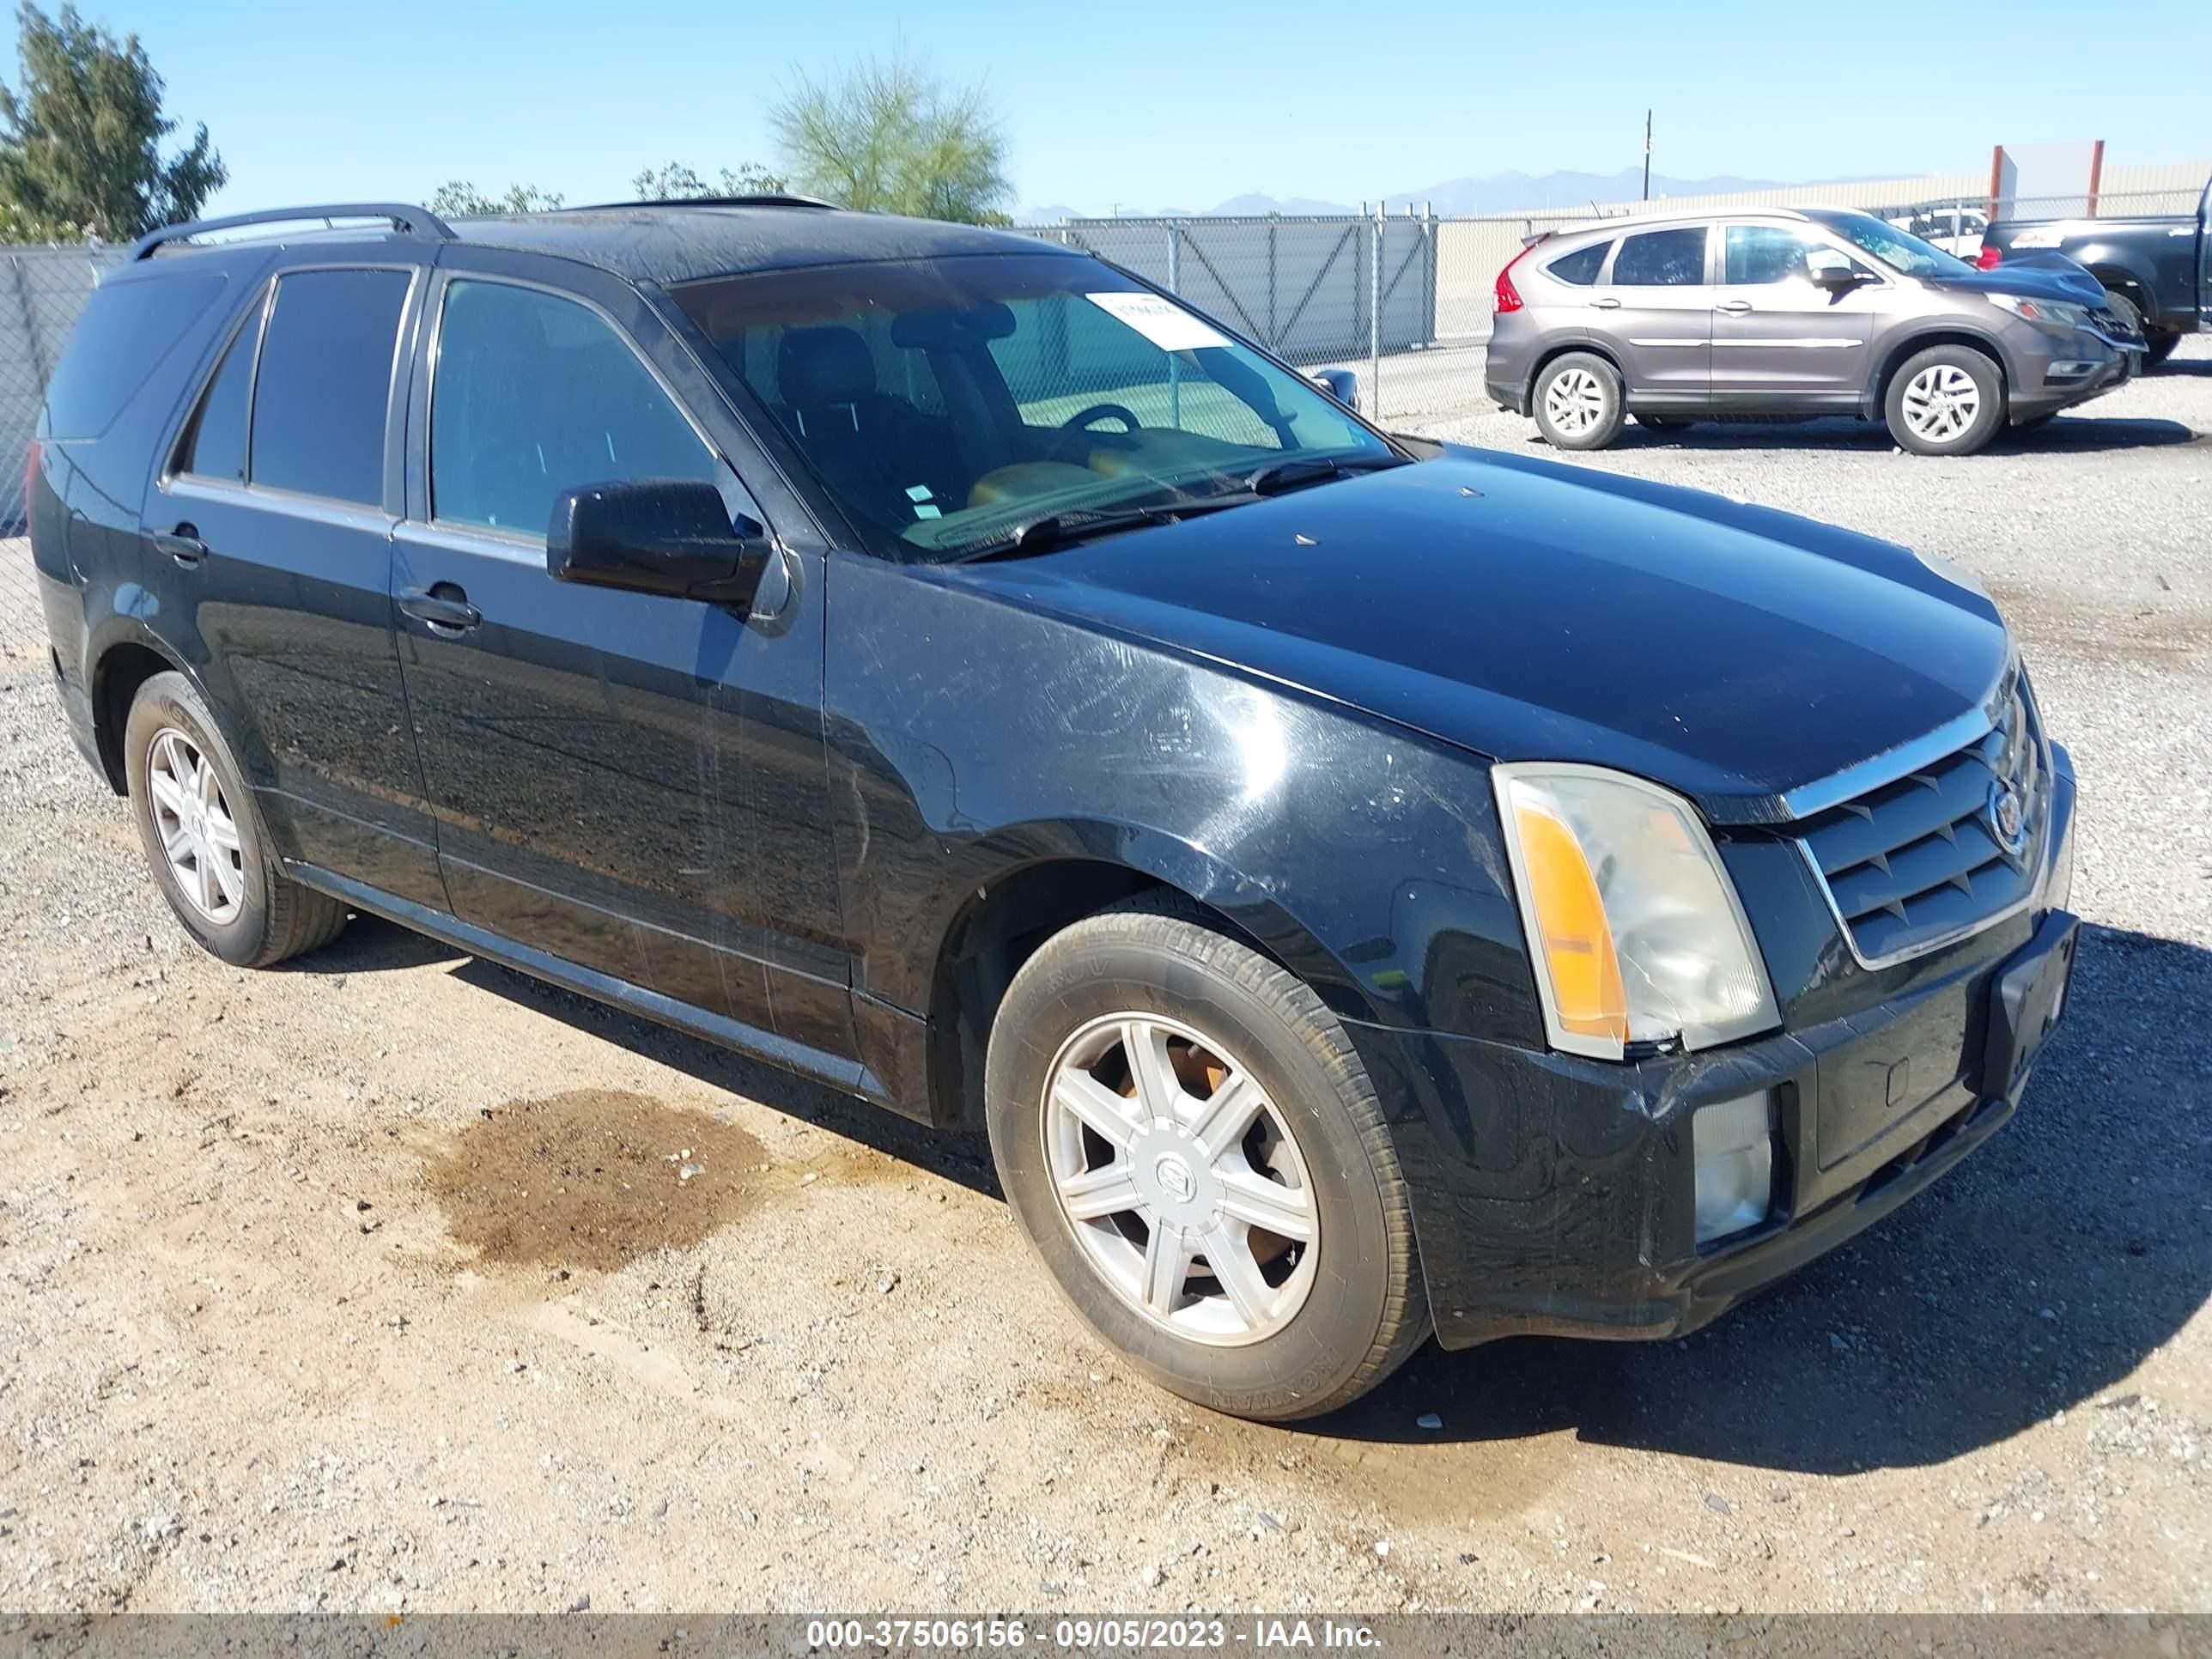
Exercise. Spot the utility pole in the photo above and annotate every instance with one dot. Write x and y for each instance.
(1647, 154)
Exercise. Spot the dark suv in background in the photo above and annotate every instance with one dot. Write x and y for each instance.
(1767, 312)
(1361, 887)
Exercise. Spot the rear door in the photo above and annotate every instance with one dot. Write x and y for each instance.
(271, 527)
(1781, 341)
(1656, 301)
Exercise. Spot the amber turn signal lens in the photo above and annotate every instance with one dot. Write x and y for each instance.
(1587, 995)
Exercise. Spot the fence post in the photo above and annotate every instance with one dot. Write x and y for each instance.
(1174, 286)
(1375, 315)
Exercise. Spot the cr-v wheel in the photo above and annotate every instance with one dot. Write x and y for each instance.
(1579, 403)
(205, 839)
(1947, 400)
(1194, 1146)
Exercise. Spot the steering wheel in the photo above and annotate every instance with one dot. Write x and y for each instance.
(1082, 418)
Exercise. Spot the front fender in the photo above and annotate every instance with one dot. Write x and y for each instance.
(971, 738)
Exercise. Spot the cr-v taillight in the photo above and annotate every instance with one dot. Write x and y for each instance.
(1505, 297)
(1988, 258)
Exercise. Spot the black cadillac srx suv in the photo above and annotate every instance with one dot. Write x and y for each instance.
(1362, 886)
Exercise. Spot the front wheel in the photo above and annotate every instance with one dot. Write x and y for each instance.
(2158, 345)
(1947, 400)
(1579, 402)
(1195, 1148)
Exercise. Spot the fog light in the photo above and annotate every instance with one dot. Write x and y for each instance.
(1733, 1144)
(2067, 371)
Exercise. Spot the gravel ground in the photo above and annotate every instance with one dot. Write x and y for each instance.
(276, 1334)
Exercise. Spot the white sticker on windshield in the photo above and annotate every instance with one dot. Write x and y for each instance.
(1162, 322)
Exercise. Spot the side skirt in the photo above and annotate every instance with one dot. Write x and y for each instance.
(848, 1075)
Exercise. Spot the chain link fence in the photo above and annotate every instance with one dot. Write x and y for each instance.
(1403, 300)
(42, 291)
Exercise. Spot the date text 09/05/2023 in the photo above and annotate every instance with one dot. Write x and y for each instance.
(1079, 1635)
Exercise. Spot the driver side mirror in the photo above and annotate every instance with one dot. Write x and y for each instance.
(1825, 268)
(666, 536)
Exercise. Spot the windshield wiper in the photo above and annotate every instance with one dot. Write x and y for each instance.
(1053, 529)
(1277, 477)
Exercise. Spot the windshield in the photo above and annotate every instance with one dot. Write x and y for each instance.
(1900, 250)
(947, 403)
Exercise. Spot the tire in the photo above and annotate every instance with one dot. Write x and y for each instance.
(2158, 345)
(1579, 402)
(1665, 422)
(1342, 1309)
(1947, 400)
(253, 915)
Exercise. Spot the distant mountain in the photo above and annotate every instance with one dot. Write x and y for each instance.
(1252, 205)
(1518, 192)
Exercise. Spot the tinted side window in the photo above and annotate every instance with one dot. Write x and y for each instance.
(326, 383)
(1662, 259)
(536, 394)
(125, 331)
(214, 441)
(1755, 254)
(1581, 267)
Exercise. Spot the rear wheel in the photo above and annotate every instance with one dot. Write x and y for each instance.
(1579, 403)
(1193, 1145)
(203, 836)
(1947, 400)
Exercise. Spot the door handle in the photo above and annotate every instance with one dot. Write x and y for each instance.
(183, 544)
(444, 607)
(1734, 308)
(1607, 304)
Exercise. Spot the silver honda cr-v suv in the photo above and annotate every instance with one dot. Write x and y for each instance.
(1783, 312)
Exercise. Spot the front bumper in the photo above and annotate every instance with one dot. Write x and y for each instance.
(1555, 1195)
(2056, 369)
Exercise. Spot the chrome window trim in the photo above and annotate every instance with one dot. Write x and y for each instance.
(323, 509)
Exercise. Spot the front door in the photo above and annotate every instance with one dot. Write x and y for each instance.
(1655, 303)
(630, 783)
(1780, 340)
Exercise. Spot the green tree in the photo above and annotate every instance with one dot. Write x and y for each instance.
(678, 182)
(889, 136)
(457, 198)
(81, 139)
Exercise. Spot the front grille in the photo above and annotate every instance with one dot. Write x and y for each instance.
(1923, 860)
(2109, 324)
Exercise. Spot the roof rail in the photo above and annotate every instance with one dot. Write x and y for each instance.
(766, 199)
(409, 221)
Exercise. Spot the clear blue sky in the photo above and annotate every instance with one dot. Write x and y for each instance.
(1146, 104)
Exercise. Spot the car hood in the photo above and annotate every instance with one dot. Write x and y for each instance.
(2031, 277)
(1527, 610)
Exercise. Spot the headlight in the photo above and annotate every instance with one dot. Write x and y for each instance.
(1636, 929)
(2057, 314)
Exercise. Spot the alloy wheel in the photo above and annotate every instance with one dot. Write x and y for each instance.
(1942, 403)
(198, 834)
(1181, 1179)
(1574, 402)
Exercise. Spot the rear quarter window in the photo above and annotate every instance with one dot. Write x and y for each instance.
(1582, 266)
(126, 328)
